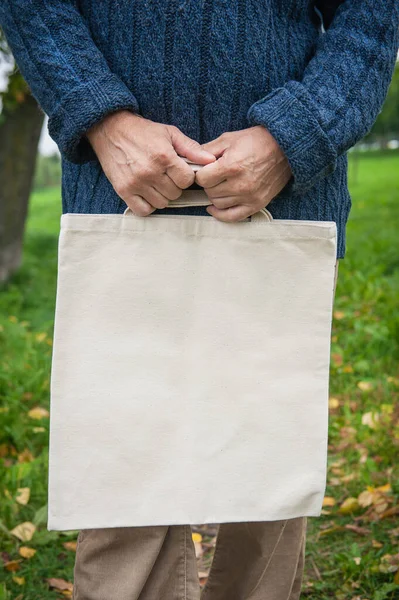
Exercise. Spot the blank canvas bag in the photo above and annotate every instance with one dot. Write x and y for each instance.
(190, 369)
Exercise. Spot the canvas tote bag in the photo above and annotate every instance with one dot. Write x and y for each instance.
(190, 369)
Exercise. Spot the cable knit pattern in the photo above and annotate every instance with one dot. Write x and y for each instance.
(209, 66)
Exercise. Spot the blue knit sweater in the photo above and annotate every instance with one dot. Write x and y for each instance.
(210, 66)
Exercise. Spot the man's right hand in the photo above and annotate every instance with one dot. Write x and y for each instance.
(140, 159)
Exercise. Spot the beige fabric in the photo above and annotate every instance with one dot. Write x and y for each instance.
(190, 370)
(253, 561)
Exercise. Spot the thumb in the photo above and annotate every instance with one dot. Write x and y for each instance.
(191, 149)
(216, 146)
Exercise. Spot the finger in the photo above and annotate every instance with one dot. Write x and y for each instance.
(223, 189)
(167, 187)
(190, 148)
(230, 215)
(225, 201)
(139, 206)
(155, 198)
(212, 174)
(217, 146)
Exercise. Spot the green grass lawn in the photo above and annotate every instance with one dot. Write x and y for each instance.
(353, 549)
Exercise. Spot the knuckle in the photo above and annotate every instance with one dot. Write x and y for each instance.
(122, 189)
(161, 156)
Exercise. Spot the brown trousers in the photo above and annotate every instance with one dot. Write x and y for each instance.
(252, 561)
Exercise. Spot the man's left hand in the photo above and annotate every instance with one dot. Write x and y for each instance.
(250, 170)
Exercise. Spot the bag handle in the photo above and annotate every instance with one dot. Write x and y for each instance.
(199, 198)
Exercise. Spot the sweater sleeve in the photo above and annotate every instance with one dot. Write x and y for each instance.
(344, 85)
(66, 72)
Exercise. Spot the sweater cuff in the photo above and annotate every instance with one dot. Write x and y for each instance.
(299, 135)
(83, 107)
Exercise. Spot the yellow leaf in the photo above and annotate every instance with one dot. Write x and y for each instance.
(24, 531)
(348, 506)
(348, 369)
(396, 578)
(376, 544)
(70, 546)
(26, 552)
(13, 319)
(38, 429)
(365, 386)
(197, 537)
(19, 580)
(23, 495)
(38, 413)
(384, 488)
(328, 501)
(4, 409)
(333, 403)
(338, 315)
(40, 337)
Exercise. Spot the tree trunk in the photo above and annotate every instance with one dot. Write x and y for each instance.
(19, 137)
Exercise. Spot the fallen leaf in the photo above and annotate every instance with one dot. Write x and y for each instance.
(330, 530)
(19, 580)
(24, 531)
(38, 413)
(333, 403)
(26, 552)
(337, 359)
(348, 478)
(38, 429)
(25, 456)
(338, 315)
(389, 563)
(60, 584)
(40, 337)
(328, 501)
(365, 386)
(371, 419)
(357, 560)
(349, 505)
(376, 544)
(12, 565)
(23, 496)
(365, 498)
(348, 369)
(391, 512)
(384, 488)
(70, 546)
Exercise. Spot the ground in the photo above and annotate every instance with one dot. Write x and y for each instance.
(353, 548)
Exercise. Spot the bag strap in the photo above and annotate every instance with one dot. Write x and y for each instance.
(199, 198)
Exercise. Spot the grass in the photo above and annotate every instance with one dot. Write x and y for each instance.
(352, 549)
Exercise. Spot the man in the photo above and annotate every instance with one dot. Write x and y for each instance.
(267, 99)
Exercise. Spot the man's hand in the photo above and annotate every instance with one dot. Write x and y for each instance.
(250, 171)
(140, 159)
